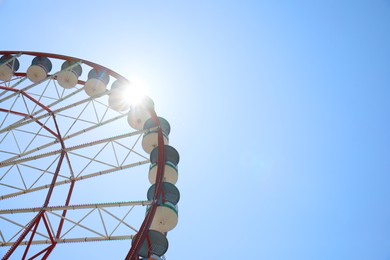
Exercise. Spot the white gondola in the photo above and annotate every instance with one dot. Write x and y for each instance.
(118, 99)
(170, 154)
(68, 78)
(139, 113)
(165, 218)
(171, 161)
(150, 138)
(40, 67)
(96, 83)
(8, 66)
(171, 174)
(170, 193)
(156, 243)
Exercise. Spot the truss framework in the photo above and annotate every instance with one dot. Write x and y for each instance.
(52, 137)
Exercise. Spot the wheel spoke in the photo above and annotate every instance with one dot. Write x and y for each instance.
(67, 181)
(60, 127)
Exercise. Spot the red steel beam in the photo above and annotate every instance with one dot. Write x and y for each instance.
(41, 252)
(35, 221)
(23, 235)
(65, 58)
(31, 238)
(133, 253)
(140, 238)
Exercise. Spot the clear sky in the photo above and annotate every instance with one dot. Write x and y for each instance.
(279, 109)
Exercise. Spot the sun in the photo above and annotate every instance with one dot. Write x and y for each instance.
(135, 93)
(124, 95)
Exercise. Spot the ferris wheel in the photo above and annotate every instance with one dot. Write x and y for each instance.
(74, 134)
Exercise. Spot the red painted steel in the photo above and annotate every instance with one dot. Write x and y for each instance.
(35, 222)
(47, 228)
(137, 243)
(31, 238)
(64, 211)
(140, 238)
(33, 225)
(40, 253)
(23, 235)
(65, 58)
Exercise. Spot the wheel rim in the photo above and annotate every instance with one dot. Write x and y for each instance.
(55, 138)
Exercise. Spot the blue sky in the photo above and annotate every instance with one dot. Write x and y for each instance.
(279, 109)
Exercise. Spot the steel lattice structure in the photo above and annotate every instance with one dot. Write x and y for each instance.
(55, 137)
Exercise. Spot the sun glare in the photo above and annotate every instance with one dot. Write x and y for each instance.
(124, 95)
(135, 93)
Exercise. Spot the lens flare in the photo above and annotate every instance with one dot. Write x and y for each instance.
(135, 93)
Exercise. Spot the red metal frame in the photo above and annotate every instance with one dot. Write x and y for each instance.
(142, 233)
(64, 57)
(33, 225)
